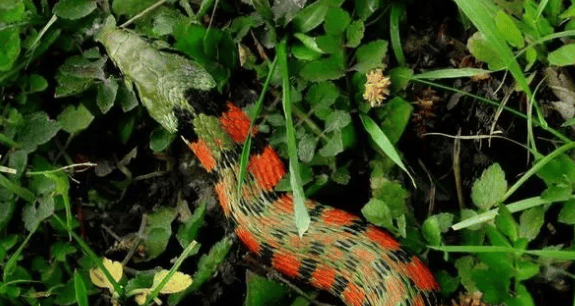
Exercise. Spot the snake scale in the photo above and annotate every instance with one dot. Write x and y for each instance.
(340, 253)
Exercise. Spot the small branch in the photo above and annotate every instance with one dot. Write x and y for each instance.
(144, 12)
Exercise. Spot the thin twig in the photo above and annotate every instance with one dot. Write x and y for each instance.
(457, 169)
(30, 173)
(137, 241)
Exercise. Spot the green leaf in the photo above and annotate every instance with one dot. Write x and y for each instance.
(483, 52)
(74, 119)
(9, 48)
(36, 83)
(400, 77)
(354, 33)
(74, 9)
(370, 55)
(337, 120)
(6, 211)
(378, 213)
(209, 263)
(530, 222)
(365, 8)
(383, 143)
(11, 11)
(489, 189)
(107, 94)
(562, 56)
(38, 129)
(522, 297)
(161, 139)
(62, 249)
(567, 213)
(526, 269)
(32, 216)
(557, 170)
(431, 230)
(509, 30)
(80, 289)
(333, 146)
(311, 16)
(324, 69)
(396, 115)
(465, 266)
(18, 161)
(505, 223)
(330, 43)
(262, 291)
(158, 231)
(126, 98)
(263, 8)
(188, 231)
(306, 148)
(336, 21)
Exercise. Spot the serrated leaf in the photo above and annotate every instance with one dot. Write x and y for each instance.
(370, 55)
(61, 249)
(210, 262)
(306, 148)
(324, 69)
(354, 33)
(530, 222)
(337, 120)
(377, 212)
(158, 231)
(74, 119)
(74, 9)
(489, 189)
(336, 21)
(32, 215)
(333, 146)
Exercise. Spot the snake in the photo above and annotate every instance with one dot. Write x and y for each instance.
(341, 253)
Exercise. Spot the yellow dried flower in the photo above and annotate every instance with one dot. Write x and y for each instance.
(376, 87)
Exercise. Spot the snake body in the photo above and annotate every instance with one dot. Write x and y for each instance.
(340, 253)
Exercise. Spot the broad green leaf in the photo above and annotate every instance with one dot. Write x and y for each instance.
(330, 44)
(431, 230)
(400, 77)
(336, 21)
(36, 83)
(396, 116)
(365, 8)
(531, 221)
(324, 69)
(60, 250)
(263, 8)
(38, 129)
(107, 92)
(306, 148)
(32, 215)
(562, 56)
(509, 30)
(333, 146)
(12, 11)
(377, 212)
(161, 139)
(354, 33)
(309, 42)
(465, 266)
(557, 170)
(526, 269)
(567, 213)
(126, 98)
(131, 8)
(6, 212)
(262, 291)
(522, 297)
(337, 120)
(391, 193)
(75, 119)
(311, 16)
(483, 52)
(489, 189)
(9, 48)
(303, 53)
(370, 56)
(18, 161)
(158, 231)
(322, 94)
(74, 9)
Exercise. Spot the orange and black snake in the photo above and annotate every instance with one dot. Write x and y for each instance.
(340, 253)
